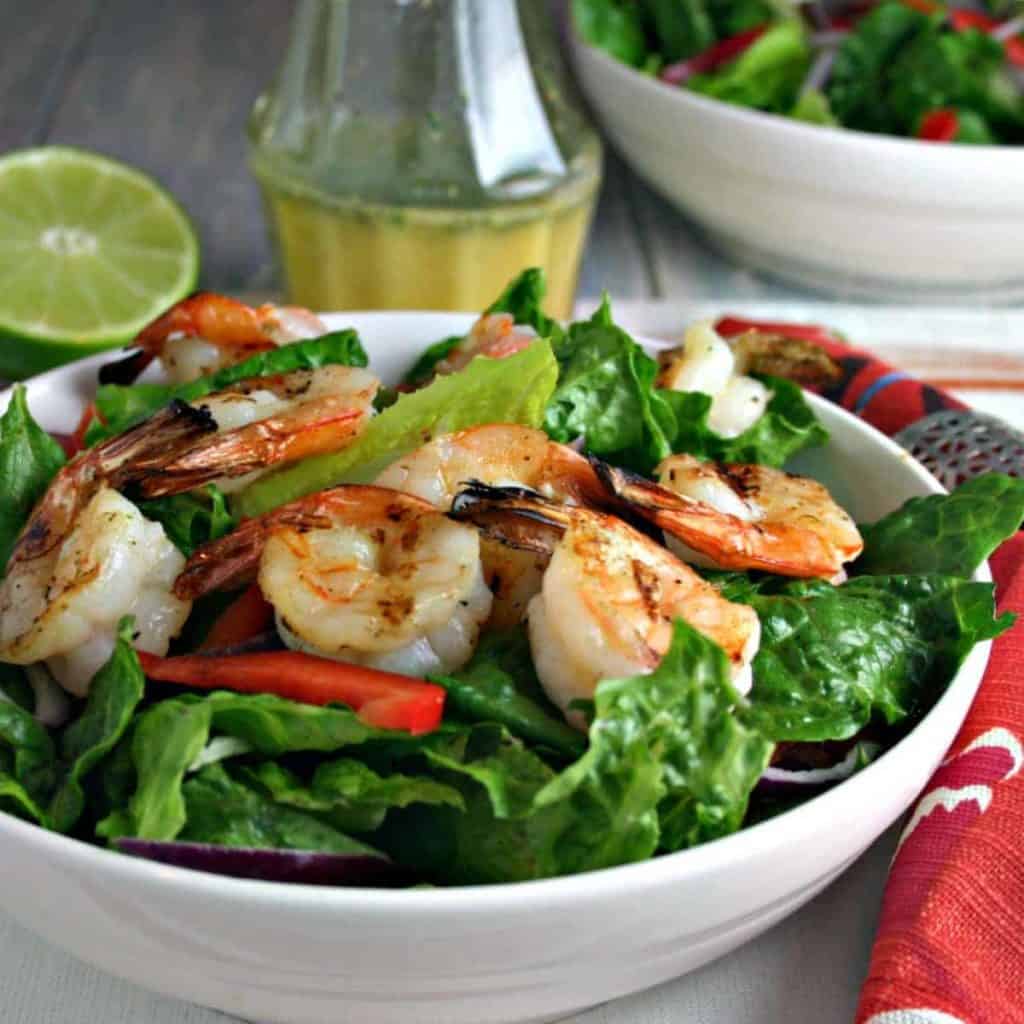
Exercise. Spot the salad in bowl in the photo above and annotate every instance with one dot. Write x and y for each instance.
(912, 68)
(547, 605)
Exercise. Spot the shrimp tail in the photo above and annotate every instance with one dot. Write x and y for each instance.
(257, 446)
(646, 498)
(135, 455)
(224, 564)
(731, 542)
(514, 516)
(233, 561)
(121, 463)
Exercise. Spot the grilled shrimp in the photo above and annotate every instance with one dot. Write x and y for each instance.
(206, 332)
(706, 363)
(87, 557)
(495, 335)
(498, 453)
(268, 421)
(609, 595)
(360, 574)
(743, 517)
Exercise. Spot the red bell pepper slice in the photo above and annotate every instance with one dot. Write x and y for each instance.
(713, 57)
(381, 699)
(962, 20)
(939, 125)
(247, 616)
(733, 326)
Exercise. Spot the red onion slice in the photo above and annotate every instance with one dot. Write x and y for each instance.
(773, 778)
(297, 866)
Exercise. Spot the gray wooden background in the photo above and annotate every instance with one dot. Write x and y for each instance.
(167, 86)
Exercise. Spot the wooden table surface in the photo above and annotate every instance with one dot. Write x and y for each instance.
(167, 87)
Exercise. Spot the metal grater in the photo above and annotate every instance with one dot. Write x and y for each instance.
(959, 445)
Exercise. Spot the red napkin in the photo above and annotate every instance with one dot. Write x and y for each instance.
(950, 948)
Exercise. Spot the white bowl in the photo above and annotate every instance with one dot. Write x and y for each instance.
(836, 210)
(474, 955)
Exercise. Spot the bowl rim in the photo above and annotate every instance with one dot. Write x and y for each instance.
(728, 852)
(800, 132)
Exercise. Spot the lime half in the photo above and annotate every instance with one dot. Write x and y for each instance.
(90, 251)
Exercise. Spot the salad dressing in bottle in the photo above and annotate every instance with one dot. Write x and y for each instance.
(421, 153)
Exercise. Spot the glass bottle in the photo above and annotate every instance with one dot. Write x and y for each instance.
(420, 153)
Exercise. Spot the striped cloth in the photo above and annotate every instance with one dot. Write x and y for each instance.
(950, 948)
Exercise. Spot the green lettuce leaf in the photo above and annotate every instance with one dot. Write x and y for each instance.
(683, 28)
(512, 390)
(523, 299)
(767, 75)
(223, 811)
(14, 685)
(945, 69)
(671, 762)
(605, 394)
(114, 694)
(612, 26)
(170, 735)
(121, 407)
(499, 836)
(832, 657)
(191, 520)
(14, 799)
(167, 738)
(499, 684)
(347, 794)
(29, 460)
(29, 759)
(788, 425)
(423, 369)
(946, 533)
(859, 84)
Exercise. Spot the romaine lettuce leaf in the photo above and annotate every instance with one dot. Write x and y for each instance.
(29, 460)
(787, 426)
(861, 75)
(683, 28)
(832, 657)
(191, 520)
(169, 736)
(767, 75)
(499, 684)
(29, 759)
(114, 694)
(671, 762)
(346, 793)
(523, 298)
(612, 26)
(120, 406)
(605, 394)
(512, 390)
(166, 739)
(945, 533)
(221, 810)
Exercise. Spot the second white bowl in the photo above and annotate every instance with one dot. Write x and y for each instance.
(836, 210)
